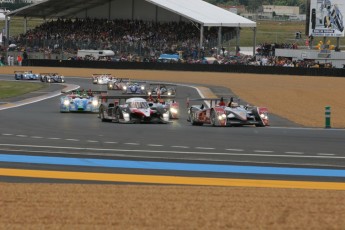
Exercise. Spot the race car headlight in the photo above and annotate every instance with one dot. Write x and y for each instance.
(149, 93)
(66, 102)
(125, 115)
(94, 102)
(142, 87)
(124, 88)
(165, 115)
(100, 81)
(169, 93)
(173, 110)
(221, 117)
(263, 116)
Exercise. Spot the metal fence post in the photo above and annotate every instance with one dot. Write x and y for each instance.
(328, 117)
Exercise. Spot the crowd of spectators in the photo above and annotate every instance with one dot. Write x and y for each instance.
(149, 39)
(136, 40)
(268, 49)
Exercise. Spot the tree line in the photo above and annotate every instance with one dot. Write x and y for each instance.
(253, 5)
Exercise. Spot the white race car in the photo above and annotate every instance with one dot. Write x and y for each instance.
(101, 79)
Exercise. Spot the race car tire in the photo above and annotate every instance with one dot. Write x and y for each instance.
(213, 118)
(192, 120)
(257, 117)
(117, 115)
(101, 114)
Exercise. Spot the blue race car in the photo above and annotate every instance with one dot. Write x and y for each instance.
(81, 101)
(134, 88)
(25, 75)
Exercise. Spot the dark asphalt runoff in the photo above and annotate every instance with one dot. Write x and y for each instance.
(37, 136)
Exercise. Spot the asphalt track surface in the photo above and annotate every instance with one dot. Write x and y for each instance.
(38, 138)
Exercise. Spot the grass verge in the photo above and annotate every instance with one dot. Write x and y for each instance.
(13, 89)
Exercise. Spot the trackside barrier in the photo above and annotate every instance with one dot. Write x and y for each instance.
(328, 117)
(334, 72)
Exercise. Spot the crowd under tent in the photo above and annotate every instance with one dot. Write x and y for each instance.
(199, 12)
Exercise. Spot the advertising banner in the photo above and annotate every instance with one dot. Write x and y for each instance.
(326, 18)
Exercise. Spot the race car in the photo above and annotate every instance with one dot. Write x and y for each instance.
(161, 89)
(167, 102)
(222, 113)
(117, 83)
(136, 87)
(81, 101)
(129, 109)
(101, 79)
(25, 75)
(52, 78)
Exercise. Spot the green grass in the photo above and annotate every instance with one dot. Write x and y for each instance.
(13, 89)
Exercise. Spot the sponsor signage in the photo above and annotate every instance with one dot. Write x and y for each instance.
(326, 18)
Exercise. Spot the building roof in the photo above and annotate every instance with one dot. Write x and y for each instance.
(195, 10)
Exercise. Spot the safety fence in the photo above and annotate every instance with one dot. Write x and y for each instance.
(331, 72)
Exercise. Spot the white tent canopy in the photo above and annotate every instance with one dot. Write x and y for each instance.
(204, 13)
(198, 11)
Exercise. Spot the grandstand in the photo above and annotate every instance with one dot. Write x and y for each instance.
(205, 25)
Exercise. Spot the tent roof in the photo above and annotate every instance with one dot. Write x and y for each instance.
(196, 10)
(56, 8)
(204, 13)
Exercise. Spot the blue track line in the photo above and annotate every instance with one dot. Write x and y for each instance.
(89, 162)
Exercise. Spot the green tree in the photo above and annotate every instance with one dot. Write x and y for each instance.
(253, 5)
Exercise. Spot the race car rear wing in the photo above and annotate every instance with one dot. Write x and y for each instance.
(89, 92)
(162, 83)
(133, 81)
(123, 79)
(101, 74)
(48, 73)
(211, 102)
(21, 71)
(105, 98)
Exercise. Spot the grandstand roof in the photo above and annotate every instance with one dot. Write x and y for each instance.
(204, 13)
(195, 10)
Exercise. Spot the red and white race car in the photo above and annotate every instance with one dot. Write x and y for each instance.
(117, 83)
(219, 112)
(129, 109)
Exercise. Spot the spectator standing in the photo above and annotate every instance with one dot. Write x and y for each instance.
(9, 60)
(12, 60)
(25, 58)
(19, 60)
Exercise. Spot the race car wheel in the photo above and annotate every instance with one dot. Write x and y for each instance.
(213, 118)
(192, 120)
(101, 114)
(260, 125)
(117, 115)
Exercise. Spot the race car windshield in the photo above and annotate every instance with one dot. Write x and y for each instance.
(139, 105)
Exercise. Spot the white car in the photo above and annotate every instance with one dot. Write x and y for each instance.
(101, 79)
